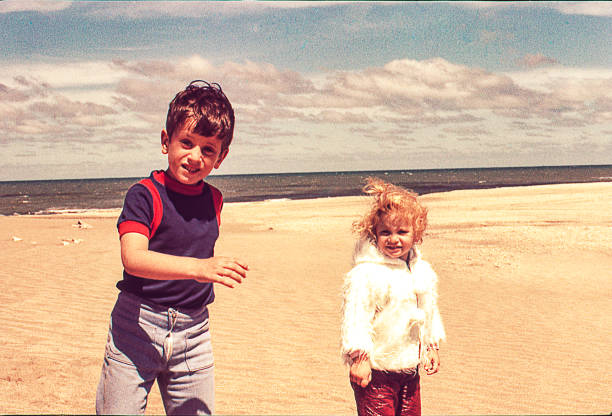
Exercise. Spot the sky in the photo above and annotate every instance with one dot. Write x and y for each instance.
(316, 86)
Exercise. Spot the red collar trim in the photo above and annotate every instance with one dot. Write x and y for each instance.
(175, 186)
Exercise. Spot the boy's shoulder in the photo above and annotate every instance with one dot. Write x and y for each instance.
(159, 180)
(154, 188)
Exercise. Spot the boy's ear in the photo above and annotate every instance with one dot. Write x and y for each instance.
(165, 142)
(220, 158)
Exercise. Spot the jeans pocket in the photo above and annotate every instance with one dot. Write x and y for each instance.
(113, 353)
(134, 343)
(198, 347)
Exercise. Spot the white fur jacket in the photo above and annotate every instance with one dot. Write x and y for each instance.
(390, 310)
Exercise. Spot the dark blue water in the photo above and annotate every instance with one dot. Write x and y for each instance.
(51, 196)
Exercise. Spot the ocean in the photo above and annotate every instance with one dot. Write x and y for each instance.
(76, 195)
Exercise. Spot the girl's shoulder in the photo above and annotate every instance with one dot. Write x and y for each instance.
(367, 270)
(366, 280)
(424, 275)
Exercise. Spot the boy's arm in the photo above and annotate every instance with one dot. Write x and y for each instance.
(138, 260)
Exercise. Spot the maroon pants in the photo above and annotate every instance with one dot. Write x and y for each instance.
(389, 394)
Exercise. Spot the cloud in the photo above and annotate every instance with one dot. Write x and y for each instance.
(155, 9)
(404, 102)
(421, 90)
(428, 91)
(61, 108)
(586, 8)
(533, 61)
(11, 6)
(179, 70)
(577, 93)
(467, 131)
(589, 8)
(9, 94)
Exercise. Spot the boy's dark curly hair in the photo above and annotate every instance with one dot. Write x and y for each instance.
(204, 108)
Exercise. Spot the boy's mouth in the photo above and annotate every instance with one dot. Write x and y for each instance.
(191, 169)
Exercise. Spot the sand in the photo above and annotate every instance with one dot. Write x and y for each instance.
(525, 295)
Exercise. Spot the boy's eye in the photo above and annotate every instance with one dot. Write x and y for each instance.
(186, 143)
(208, 150)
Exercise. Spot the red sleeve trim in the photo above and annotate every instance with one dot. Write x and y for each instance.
(217, 202)
(133, 227)
(158, 208)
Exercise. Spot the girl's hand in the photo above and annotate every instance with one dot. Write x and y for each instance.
(361, 372)
(432, 361)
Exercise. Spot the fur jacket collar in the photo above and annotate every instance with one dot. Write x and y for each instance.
(367, 252)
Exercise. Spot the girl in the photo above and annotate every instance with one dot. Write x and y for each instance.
(391, 322)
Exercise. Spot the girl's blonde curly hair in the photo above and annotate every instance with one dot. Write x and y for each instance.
(398, 203)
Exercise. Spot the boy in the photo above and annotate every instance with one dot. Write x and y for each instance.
(168, 228)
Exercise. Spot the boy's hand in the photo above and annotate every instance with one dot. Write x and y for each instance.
(225, 270)
(432, 363)
(361, 372)
(142, 262)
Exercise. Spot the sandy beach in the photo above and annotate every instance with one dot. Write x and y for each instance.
(525, 295)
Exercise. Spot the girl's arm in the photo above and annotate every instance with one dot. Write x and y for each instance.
(361, 372)
(432, 360)
(139, 261)
(428, 302)
(433, 330)
(358, 312)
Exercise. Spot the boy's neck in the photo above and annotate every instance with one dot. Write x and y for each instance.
(170, 183)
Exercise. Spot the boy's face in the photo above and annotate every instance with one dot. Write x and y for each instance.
(394, 238)
(191, 157)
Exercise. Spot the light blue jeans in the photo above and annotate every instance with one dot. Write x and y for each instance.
(148, 343)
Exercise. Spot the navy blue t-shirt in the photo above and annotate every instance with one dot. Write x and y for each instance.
(183, 221)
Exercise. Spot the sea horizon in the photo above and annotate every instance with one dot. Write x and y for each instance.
(216, 175)
(49, 196)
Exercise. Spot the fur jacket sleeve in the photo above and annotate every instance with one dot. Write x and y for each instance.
(389, 309)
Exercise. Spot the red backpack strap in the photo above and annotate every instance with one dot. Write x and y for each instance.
(217, 201)
(158, 208)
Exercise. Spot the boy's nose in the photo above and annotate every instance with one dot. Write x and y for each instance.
(195, 154)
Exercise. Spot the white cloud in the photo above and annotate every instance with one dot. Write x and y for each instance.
(155, 9)
(120, 106)
(536, 60)
(401, 88)
(10, 6)
(590, 8)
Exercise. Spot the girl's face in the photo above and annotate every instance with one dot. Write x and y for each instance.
(394, 238)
